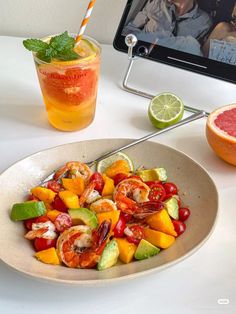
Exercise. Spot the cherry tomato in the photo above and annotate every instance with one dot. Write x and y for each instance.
(184, 213)
(44, 244)
(119, 227)
(97, 178)
(59, 204)
(137, 234)
(170, 188)
(179, 226)
(54, 186)
(127, 217)
(157, 192)
(63, 222)
(119, 177)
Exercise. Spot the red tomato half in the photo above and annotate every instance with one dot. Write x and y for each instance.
(63, 222)
(44, 244)
(137, 234)
(157, 192)
(119, 227)
(170, 188)
(54, 186)
(59, 204)
(97, 178)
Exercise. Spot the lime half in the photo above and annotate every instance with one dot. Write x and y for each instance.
(105, 163)
(165, 109)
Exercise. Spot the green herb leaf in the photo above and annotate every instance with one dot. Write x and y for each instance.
(35, 45)
(62, 42)
(67, 55)
(42, 55)
(60, 47)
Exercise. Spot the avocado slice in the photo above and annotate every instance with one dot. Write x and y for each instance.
(145, 250)
(172, 207)
(27, 210)
(83, 216)
(153, 174)
(109, 256)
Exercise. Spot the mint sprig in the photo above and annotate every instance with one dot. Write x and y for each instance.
(59, 47)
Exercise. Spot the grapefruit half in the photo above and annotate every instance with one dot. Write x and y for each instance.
(221, 132)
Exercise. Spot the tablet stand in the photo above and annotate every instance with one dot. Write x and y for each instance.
(131, 41)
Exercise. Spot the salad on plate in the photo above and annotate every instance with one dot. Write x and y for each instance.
(93, 219)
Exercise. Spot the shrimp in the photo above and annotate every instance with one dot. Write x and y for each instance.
(45, 230)
(87, 193)
(81, 247)
(103, 205)
(131, 197)
(73, 169)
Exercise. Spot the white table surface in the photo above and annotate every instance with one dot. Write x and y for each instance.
(195, 285)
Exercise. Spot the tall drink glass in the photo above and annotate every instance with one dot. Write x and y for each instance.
(69, 88)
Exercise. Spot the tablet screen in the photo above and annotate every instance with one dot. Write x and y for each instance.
(203, 28)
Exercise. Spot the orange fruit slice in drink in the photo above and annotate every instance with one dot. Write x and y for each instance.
(221, 132)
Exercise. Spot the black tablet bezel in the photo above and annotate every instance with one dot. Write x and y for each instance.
(174, 57)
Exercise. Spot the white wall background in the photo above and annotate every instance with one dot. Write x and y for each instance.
(37, 18)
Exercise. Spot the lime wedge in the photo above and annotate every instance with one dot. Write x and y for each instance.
(105, 163)
(165, 109)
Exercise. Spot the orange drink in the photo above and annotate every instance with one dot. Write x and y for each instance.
(69, 88)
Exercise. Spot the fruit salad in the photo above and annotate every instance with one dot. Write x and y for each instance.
(93, 219)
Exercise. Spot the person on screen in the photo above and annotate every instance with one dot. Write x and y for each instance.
(177, 24)
(223, 31)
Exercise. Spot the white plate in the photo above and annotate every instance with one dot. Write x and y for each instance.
(197, 191)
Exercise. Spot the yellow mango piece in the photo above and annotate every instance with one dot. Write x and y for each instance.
(52, 214)
(112, 216)
(159, 239)
(108, 186)
(70, 199)
(43, 194)
(75, 185)
(161, 221)
(48, 256)
(126, 249)
(119, 166)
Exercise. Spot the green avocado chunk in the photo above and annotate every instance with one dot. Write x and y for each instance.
(83, 216)
(27, 210)
(172, 207)
(153, 174)
(145, 250)
(109, 256)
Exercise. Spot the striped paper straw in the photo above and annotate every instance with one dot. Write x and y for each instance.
(85, 20)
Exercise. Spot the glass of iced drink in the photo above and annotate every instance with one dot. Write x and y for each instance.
(69, 88)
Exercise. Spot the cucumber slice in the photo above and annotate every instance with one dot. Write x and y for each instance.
(27, 210)
(109, 255)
